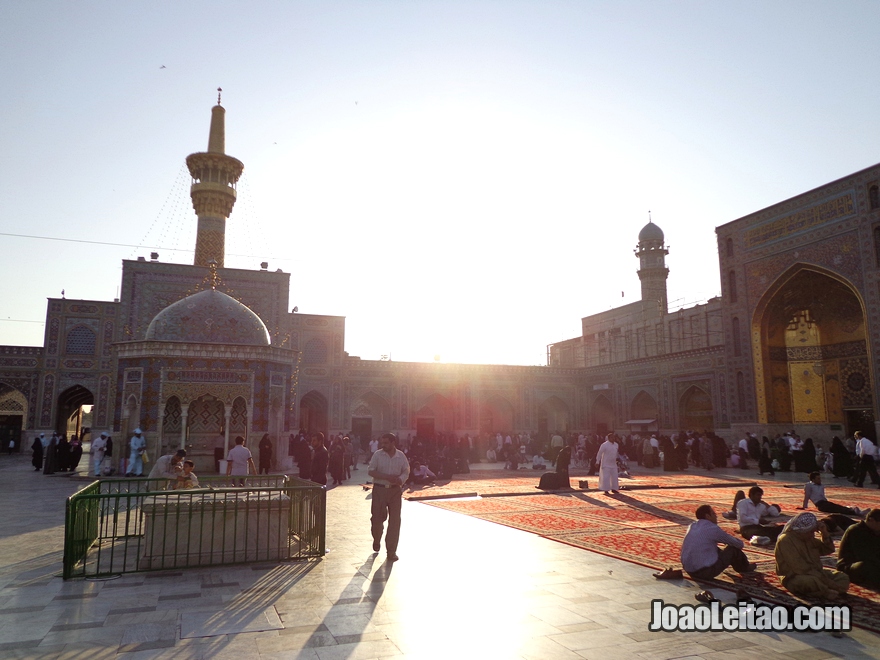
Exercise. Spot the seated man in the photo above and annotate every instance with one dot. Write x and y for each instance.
(420, 474)
(168, 466)
(188, 478)
(752, 513)
(814, 492)
(700, 555)
(799, 563)
(490, 455)
(859, 554)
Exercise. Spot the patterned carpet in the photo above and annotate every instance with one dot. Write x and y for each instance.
(646, 527)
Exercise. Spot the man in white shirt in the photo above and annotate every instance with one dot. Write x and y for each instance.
(700, 555)
(239, 462)
(866, 452)
(374, 447)
(99, 446)
(390, 470)
(751, 514)
(168, 466)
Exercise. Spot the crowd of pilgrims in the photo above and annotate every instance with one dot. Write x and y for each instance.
(57, 454)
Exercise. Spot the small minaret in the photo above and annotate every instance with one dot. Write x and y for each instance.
(652, 265)
(214, 177)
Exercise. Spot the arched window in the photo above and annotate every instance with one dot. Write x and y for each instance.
(874, 197)
(80, 341)
(737, 344)
(315, 352)
(729, 243)
(731, 285)
(741, 390)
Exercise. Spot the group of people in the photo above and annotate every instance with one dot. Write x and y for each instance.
(707, 550)
(56, 454)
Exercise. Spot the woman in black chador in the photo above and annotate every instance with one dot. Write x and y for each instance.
(265, 454)
(841, 460)
(37, 456)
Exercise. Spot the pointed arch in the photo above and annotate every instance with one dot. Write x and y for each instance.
(602, 414)
(313, 409)
(810, 353)
(644, 406)
(553, 415)
(496, 415)
(695, 410)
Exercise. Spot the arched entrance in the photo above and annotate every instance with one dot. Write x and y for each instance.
(313, 413)
(496, 416)
(13, 412)
(643, 407)
(553, 415)
(205, 421)
(603, 415)
(434, 417)
(810, 352)
(71, 404)
(695, 410)
(370, 415)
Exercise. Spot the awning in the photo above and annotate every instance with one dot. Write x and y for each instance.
(640, 422)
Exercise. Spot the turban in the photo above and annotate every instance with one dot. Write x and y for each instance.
(802, 522)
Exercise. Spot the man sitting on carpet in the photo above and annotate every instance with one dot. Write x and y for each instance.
(700, 555)
(859, 554)
(814, 492)
(752, 513)
(799, 562)
(420, 474)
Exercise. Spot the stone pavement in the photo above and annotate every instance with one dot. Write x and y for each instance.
(463, 588)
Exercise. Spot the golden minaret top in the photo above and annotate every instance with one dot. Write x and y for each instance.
(214, 177)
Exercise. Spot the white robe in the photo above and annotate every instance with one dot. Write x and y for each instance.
(607, 460)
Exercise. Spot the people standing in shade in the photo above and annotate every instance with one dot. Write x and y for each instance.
(239, 462)
(76, 452)
(606, 457)
(859, 554)
(37, 452)
(320, 459)
(866, 451)
(51, 464)
(63, 453)
(265, 448)
(799, 560)
(99, 447)
(389, 469)
(137, 446)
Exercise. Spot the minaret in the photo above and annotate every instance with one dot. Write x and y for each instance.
(214, 176)
(652, 265)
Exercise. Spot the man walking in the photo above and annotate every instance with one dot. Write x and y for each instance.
(389, 469)
(138, 445)
(866, 452)
(99, 447)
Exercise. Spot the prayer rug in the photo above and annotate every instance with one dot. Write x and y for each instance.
(646, 527)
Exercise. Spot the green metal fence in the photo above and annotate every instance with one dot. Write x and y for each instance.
(118, 526)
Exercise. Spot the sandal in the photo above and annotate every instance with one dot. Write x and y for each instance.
(669, 574)
(706, 597)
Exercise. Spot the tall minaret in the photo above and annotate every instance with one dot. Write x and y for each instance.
(213, 194)
(652, 265)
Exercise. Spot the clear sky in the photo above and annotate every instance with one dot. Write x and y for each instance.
(458, 179)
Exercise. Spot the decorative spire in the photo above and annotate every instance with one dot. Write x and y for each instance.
(219, 91)
(213, 193)
(212, 277)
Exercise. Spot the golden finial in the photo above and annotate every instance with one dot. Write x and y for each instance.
(219, 91)
(212, 266)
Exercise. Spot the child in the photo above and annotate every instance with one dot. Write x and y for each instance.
(188, 479)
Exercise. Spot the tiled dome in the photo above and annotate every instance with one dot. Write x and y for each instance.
(651, 232)
(209, 317)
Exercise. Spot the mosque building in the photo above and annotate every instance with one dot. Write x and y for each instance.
(197, 354)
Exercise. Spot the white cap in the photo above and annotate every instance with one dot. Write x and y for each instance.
(104, 435)
(138, 431)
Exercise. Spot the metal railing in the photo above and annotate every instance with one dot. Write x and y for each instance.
(116, 526)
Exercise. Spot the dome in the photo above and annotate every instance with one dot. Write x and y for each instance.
(209, 317)
(651, 232)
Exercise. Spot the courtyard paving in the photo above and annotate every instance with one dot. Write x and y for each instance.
(463, 588)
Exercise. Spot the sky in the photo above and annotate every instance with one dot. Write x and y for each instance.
(463, 181)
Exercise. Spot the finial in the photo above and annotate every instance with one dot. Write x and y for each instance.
(212, 266)
(649, 212)
(219, 91)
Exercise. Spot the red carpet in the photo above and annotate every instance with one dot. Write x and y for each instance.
(646, 527)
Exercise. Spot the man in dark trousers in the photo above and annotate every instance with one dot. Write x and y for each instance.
(390, 470)
(320, 459)
(859, 553)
